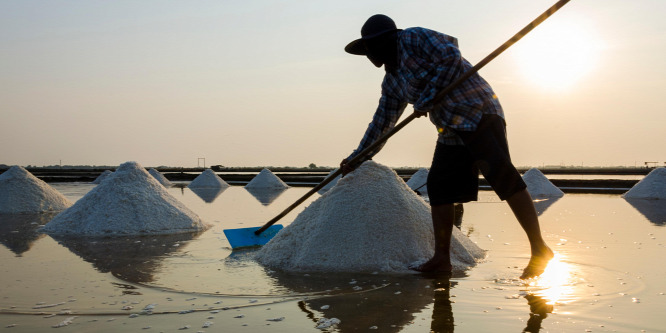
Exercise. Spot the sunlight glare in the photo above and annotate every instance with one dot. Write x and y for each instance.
(555, 284)
(558, 53)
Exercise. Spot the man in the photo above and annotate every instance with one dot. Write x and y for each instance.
(419, 63)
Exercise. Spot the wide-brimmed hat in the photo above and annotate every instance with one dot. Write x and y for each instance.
(375, 26)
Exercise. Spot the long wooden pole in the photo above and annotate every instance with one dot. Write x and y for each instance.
(550, 11)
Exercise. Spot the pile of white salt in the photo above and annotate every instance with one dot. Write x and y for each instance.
(102, 176)
(129, 202)
(160, 177)
(22, 192)
(653, 186)
(419, 180)
(539, 186)
(266, 179)
(371, 221)
(208, 179)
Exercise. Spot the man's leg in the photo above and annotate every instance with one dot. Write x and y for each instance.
(523, 208)
(442, 222)
(488, 144)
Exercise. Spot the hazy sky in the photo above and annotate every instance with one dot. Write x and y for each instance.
(259, 83)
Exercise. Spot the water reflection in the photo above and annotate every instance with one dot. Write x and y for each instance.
(18, 232)
(132, 259)
(442, 312)
(556, 284)
(265, 195)
(362, 301)
(653, 210)
(539, 310)
(543, 203)
(208, 194)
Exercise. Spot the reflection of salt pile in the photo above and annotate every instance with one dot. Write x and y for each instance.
(129, 202)
(539, 186)
(370, 221)
(160, 177)
(102, 176)
(418, 181)
(653, 186)
(21, 192)
(208, 179)
(266, 179)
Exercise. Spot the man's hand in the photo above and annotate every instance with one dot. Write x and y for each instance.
(345, 167)
(420, 114)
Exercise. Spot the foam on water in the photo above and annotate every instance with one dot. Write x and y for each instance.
(22, 192)
(129, 202)
(370, 221)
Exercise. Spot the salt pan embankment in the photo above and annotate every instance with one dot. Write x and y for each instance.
(22, 192)
(129, 202)
(371, 221)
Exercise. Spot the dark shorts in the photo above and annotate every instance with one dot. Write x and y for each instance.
(454, 174)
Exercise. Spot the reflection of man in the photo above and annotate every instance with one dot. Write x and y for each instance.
(539, 310)
(470, 121)
(442, 310)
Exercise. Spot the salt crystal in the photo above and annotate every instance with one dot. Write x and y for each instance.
(129, 202)
(324, 323)
(240, 316)
(65, 322)
(370, 221)
(276, 319)
(22, 192)
(325, 307)
(207, 324)
(160, 177)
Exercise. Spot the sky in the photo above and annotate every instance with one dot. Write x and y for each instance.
(267, 83)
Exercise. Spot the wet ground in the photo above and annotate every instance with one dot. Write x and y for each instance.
(608, 275)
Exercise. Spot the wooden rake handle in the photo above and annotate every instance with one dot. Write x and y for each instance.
(550, 11)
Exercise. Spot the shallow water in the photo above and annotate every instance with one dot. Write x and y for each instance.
(608, 275)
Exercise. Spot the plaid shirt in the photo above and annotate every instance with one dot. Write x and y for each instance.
(428, 61)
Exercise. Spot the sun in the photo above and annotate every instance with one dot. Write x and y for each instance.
(557, 54)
